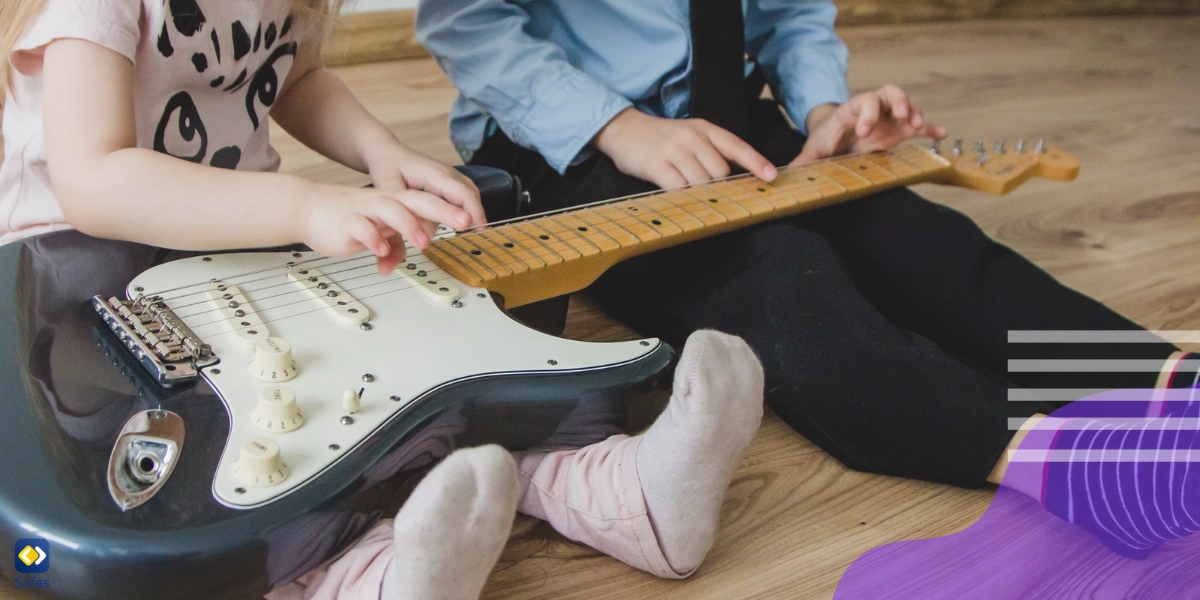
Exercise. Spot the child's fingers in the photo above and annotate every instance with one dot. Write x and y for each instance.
(364, 231)
(867, 107)
(395, 215)
(894, 99)
(459, 190)
(388, 263)
(434, 208)
(737, 150)
(713, 162)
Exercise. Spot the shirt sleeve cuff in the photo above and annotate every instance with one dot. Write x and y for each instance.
(66, 20)
(567, 113)
(809, 91)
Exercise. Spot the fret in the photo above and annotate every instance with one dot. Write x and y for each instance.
(621, 215)
(535, 231)
(702, 208)
(669, 207)
(797, 184)
(613, 229)
(439, 252)
(491, 249)
(901, 168)
(475, 255)
(596, 236)
(766, 191)
(514, 248)
(568, 235)
(532, 244)
(845, 177)
(922, 158)
(651, 217)
(728, 209)
(826, 186)
(868, 170)
(748, 201)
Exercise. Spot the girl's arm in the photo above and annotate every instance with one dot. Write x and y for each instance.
(320, 111)
(108, 187)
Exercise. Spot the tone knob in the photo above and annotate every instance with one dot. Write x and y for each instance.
(273, 361)
(276, 411)
(260, 464)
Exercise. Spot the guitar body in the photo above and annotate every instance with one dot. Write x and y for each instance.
(428, 376)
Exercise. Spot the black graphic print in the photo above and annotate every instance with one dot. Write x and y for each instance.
(187, 16)
(265, 85)
(226, 158)
(181, 132)
(188, 123)
(241, 41)
(164, 43)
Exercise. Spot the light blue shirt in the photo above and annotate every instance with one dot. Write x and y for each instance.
(552, 73)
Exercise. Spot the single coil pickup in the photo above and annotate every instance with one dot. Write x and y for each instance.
(321, 288)
(440, 289)
(238, 313)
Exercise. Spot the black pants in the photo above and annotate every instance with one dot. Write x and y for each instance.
(881, 323)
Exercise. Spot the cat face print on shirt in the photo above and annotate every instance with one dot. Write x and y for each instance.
(240, 57)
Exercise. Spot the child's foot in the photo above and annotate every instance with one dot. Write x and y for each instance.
(1132, 485)
(450, 532)
(687, 458)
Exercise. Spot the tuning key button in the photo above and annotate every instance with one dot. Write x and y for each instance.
(260, 464)
(273, 361)
(276, 411)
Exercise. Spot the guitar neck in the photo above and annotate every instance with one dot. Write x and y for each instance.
(564, 252)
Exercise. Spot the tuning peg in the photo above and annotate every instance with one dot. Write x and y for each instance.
(937, 147)
(1000, 147)
(957, 150)
(1020, 147)
(979, 148)
(983, 157)
(1040, 147)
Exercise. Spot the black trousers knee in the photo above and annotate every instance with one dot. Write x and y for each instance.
(882, 323)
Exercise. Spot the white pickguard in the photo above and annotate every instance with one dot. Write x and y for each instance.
(415, 343)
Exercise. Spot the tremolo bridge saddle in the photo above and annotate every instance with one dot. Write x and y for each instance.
(169, 351)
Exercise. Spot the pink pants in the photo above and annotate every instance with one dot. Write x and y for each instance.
(591, 495)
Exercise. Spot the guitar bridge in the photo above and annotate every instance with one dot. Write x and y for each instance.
(159, 341)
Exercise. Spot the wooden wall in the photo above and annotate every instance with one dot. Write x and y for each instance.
(378, 36)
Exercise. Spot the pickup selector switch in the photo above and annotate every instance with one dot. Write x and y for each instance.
(260, 464)
(273, 361)
(276, 411)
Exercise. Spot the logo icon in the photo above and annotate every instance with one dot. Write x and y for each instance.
(32, 555)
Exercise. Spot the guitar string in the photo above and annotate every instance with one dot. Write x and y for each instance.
(769, 205)
(370, 263)
(474, 231)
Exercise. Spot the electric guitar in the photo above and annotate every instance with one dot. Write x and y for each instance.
(214, 426)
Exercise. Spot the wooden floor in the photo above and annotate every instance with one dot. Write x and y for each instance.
(1120, 92)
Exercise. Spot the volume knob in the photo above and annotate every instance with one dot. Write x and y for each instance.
(260, 464)
(276, 411)
(273, 361)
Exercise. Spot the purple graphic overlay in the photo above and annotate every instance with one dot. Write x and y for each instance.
(1101, 500)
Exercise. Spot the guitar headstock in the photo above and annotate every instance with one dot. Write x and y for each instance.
(1000, 168)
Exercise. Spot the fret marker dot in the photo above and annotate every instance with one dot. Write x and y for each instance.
(812, 178)
(508, 244)
(544, 237)
(762, 189)
(634, 209)
(582, 228)
(476, 252)
(713, 200)
(656, 222)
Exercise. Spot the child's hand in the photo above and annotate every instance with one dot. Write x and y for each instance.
(337, 221)
(396, 168)
(676, 152)
(868, 122)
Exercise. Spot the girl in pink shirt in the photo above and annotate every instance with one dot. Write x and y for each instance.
(146, 120)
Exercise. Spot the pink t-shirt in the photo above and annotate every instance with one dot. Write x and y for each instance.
(205, 74)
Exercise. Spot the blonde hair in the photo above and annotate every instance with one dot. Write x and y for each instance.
(16, 15)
